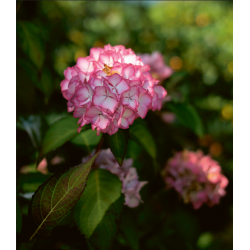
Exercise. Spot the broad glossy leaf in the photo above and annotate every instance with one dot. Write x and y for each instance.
(118, 143)
(29, 38)
(188, 117)
(87, 139)
(54, 198)
(141, 135)
(18, 217)
(103, 236)
(59, 133)
(103, 190)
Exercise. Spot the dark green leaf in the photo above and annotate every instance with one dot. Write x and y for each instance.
(27, 183)
(46, 83)
(188, 117)
(141, 135)
(128, 227)
(103, 236)
(30, 40)
(18, 217)
(59, 133)
(118, 143)
(103, 190)
(54, 198)
(87, 139)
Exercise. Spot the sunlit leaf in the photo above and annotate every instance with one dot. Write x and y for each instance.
(141, 135)
(30, 41)
(87, 139)
(188, 117)
(18, 217)
(118, 143)
(54, 198)
(102, 191)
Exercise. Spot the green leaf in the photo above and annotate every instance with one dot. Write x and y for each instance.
(118, 143)
(29, 37)
(55, 197)
(18, 217)
(103, 236)
(46, 83)
(87, 139)
(187, 116)
(141, 135)
(103, 190)
(59, 133)
(129, 230)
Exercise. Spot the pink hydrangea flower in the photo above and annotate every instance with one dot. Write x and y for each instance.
(131, 186)
(158, 69)
(110, 88)
(196, 177)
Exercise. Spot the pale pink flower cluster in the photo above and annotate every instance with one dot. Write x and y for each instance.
(110, 88)
(196, 177)
(131, 186)
(158, 69)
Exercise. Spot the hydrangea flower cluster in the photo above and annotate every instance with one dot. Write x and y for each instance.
(158, 69)
(110, 88)
(197, 178)
(131, 186)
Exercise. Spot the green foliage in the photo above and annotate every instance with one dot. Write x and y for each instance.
(130, 232)
(87, 139)
(141, 135)
(18, 217)
(187, 116)
(60, 132)
(99, 207)
(54, 198)
(118, 143)
(31, 43)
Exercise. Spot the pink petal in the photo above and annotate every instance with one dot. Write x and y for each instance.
(114, 79)
(92, 112)
(122, 87)
(83, 64)
(124, 123)
(142, 110)
(145, 99)
(128, 71)
(79, 111)
(110, 104)
(98, 100)
(161, 92)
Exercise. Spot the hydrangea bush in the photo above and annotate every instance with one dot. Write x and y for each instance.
(110, 88)
(196, 177)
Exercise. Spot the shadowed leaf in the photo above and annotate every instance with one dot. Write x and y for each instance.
(187, 116)
(18, 217)
(141, 135)
(103, 236)
(103, 190)
(30, 41)
(87, 139)
(118, 143)
(128, 227)
(55, 197)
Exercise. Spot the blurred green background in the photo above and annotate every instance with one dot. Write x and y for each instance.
(196, 40)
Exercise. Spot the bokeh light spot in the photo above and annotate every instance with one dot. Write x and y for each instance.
(175, 63)
(227, 112)
(202, 20)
